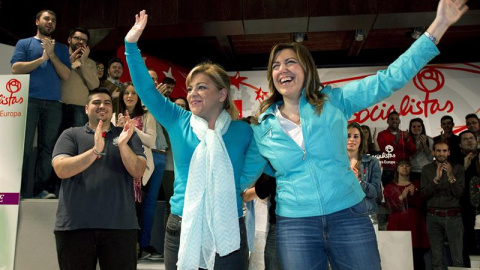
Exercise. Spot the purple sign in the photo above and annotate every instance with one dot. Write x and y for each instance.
(9, 198)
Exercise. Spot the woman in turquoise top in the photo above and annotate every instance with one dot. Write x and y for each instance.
(206, 228)
(301, 129)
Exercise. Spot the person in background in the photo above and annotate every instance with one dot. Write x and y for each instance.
(424, 146)
(365, 167)
(168, 178)
(182, 102)
(402, 197)
(442, 186)
(130, 104)
(300, 129)
(48, 63)
(472, 123)
(447, 135)
(470, 161)
(395, 145)
(101, 72)
(112, 83)
(82, 79)
(371, 140)
(96, 218)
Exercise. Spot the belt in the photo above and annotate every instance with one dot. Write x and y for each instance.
(163, 152)
(444, 212)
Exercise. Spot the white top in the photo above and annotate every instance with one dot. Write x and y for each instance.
(292, 129)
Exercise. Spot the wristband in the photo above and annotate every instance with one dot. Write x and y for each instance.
(431, 37)
(99, 154)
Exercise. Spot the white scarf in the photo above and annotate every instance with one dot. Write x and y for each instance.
(210, 219)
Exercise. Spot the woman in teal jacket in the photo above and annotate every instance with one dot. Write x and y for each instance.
(206, 227)
(301, 130)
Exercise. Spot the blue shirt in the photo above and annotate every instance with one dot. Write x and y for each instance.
(44, 80)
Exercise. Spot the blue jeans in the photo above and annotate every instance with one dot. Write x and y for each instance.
(150, 201)
(272, 262)
(47, 116)
(237, 260)
(73, 116)
(346, 239)
(452, 228)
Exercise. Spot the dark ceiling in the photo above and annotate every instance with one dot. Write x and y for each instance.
(239, 33)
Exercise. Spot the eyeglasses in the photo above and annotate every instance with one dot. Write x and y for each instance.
(79, 39)
(100, 68)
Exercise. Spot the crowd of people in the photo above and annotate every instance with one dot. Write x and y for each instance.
(114, 153)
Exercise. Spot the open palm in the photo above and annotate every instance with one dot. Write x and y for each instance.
(137, 29)
(452, 10)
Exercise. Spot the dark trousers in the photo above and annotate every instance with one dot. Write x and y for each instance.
(46, 115)
(80, 249)
(236, 260)
(167, 183)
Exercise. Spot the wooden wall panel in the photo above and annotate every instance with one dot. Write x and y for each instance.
(342, 7)
(272, 9)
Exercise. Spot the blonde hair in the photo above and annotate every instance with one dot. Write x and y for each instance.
(221, 80)
(312, 84)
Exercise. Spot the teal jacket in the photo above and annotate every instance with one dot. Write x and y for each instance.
(238, 138)
(319, 181)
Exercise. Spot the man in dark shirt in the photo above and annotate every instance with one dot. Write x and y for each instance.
(96, 218)
(447, 135)
(442, 185)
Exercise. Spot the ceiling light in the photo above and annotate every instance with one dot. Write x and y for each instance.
(299, 37)
(359, 35)
(417, 32)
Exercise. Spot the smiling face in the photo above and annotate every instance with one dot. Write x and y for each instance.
(353, 140)
(115, 70)
(441, 152)
(287, 74)
(447, 126)
(204, 97)
(130, 98)
(77, 40)
(99, 107)
(416, 128)
(393, 122)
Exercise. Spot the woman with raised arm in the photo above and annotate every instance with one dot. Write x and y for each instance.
(301, 129)
(206, 228)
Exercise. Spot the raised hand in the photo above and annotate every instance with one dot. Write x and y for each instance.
(162, 88)
(98, 137)
(137, 29)
(120, 120)
(450, 11)
(85, 53)
(127, 131)
(436, 179)
(48, 45)
(468, 160)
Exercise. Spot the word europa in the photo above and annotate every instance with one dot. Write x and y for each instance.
(10, 114)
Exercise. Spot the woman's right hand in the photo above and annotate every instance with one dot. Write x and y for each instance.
(137, 29)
